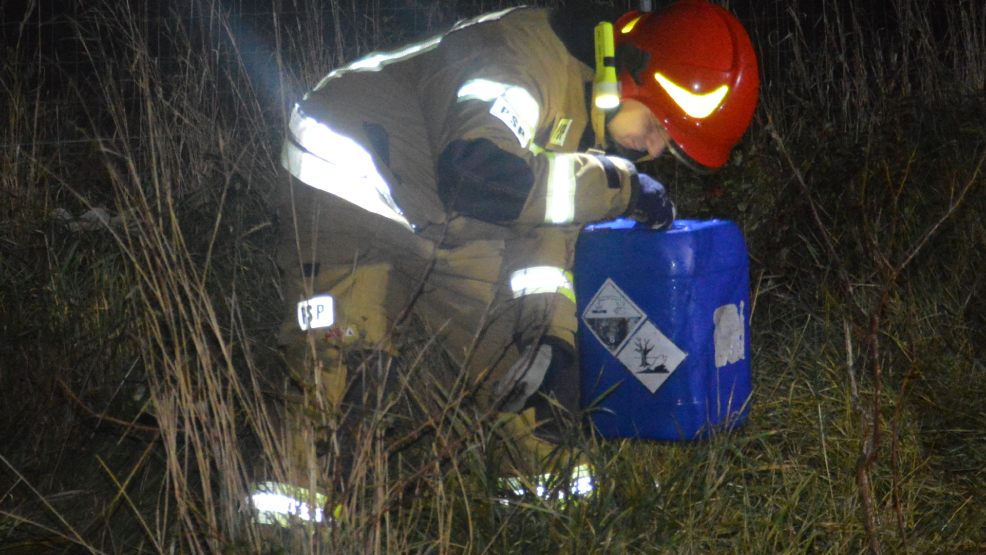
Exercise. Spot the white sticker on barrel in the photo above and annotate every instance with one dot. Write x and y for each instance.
(611, 316)
(730, 334)
(651, 356)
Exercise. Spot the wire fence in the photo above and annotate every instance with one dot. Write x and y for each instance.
(48, 44)
(50, 58)
(51, 30)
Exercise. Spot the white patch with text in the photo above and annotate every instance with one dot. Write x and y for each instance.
(316, 312)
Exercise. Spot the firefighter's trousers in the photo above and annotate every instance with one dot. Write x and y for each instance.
(487, 300)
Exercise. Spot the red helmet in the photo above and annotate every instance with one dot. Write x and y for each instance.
(693, 65)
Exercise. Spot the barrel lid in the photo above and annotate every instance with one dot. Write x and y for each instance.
(688, 247)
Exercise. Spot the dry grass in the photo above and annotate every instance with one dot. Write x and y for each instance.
(141, 394)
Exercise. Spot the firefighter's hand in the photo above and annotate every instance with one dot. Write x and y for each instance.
(652, 207)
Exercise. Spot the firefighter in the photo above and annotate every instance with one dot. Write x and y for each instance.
(448, 181)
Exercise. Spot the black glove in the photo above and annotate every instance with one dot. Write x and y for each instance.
(652, 207)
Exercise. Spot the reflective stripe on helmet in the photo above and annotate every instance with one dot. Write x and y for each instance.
(695, 105)
(542, 279)
(336, 164)
(560, 195)
(628, 27)
(512, 104)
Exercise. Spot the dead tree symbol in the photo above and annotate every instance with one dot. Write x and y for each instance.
(644, 347)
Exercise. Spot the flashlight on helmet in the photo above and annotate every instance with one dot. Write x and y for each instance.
(605, 90)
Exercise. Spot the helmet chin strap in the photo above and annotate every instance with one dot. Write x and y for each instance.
(629, 153)
(633, 60)
(687, 160)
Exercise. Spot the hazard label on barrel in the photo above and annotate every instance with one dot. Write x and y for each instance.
(611, 316)
(624, 330)
(651, 356)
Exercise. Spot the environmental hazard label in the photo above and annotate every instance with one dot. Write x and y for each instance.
(623, 328)
(651, 356)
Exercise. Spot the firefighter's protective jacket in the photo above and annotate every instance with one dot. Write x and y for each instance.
(454, 174)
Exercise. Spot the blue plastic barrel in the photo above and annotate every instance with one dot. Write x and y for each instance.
(664, 333)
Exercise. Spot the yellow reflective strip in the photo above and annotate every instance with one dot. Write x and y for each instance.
(525, 105)
(568, 291)
(512, 104)
(375, 61)
(481, 89)
(336, 164)
(560, 195)
(276, 503)
(542, 279)
(629, 26)
(694, 104)
(483, 18)
(579, 483)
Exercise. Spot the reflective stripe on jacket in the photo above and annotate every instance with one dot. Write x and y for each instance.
(483, 121)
